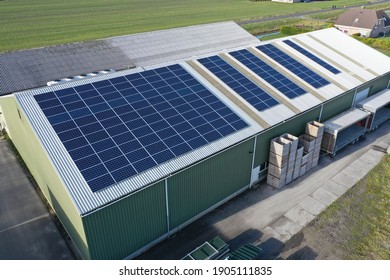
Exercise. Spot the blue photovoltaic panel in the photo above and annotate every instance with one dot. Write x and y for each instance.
(116, 128)
(269, 74)
(248, 90)
(312, 57)
(294, 66)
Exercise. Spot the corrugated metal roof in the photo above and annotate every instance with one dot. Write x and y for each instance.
(86, 200)
(369, 59)
(372, 64)
(21, 70)
(376, 101)
(158, 47)
(27, 69)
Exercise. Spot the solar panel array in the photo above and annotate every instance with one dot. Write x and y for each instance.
(116, 128)
(294, 66)
(248, 90)
(312, 57)
(269, 74)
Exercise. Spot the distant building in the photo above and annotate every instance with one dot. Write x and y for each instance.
(368, 23)
(287, 1)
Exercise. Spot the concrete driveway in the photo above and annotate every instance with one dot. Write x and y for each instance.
(27, 231)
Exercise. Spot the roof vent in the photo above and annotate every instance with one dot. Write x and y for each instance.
(79, 77)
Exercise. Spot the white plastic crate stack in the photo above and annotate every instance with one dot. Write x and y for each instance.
(316, 130)
(278, 162)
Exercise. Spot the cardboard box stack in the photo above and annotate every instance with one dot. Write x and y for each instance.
(278, 162)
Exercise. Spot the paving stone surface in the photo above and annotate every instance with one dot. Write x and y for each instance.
(345, 179)
(299, 215)
(362, 165)
(312, 205)
(335, 188)
(286, 228)
(354, 172)
(324, 196)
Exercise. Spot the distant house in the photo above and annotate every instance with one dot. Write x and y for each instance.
(368, 23)
(287, 1)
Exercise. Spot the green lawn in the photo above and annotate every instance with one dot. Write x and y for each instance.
(273, 36)
(359, 222)
(34, 23)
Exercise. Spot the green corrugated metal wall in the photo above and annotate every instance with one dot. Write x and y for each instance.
(337, 106)
(196, 189)
(294, 126)
(43, 171)
(116, 231)
(379, 84)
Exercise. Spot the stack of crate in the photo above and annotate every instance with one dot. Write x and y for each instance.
(308, 143)
(298, 161)
(316, 130)
(278, 162)
(292, 156)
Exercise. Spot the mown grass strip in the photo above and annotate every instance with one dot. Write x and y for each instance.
(359, 221)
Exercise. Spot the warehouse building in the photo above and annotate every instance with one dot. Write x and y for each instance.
(129, 156)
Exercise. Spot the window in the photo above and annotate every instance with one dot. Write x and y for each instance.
(264, 166)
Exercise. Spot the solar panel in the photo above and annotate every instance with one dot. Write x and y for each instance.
(248, 90)
(269, 74)
(117, 128)
(294, 66)
(312, 57)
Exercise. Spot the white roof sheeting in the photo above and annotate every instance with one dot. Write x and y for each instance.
(354, 49)
(376, 101)
(342, 60)
(346, 79)
(86, 200)
(162, 46)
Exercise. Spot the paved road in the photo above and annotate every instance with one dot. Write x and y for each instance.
(245, 218)
(27, 231)
(300, 14)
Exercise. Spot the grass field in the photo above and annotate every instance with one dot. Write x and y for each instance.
(35, 23)
(362, 217)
